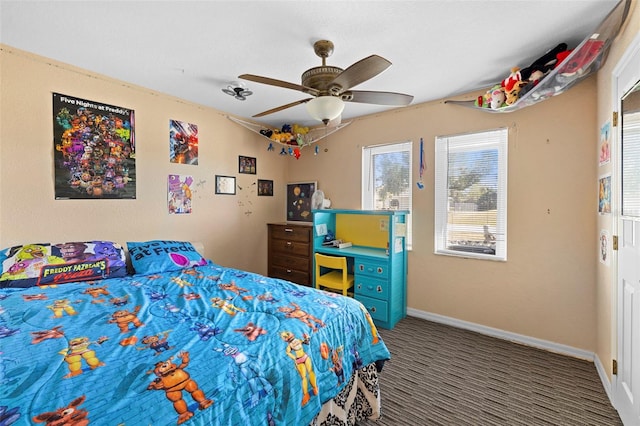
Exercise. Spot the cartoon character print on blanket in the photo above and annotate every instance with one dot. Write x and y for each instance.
(202, 345)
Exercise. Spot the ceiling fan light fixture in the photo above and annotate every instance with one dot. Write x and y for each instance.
(238, 90)
(325, 108)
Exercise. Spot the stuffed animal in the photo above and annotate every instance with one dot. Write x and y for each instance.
(520, 81)
(545, 63)
(483, 101)
(497, 97)
(583, 58)
(494, 98)
(513, 95)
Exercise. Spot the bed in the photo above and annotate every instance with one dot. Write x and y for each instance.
(89, 335)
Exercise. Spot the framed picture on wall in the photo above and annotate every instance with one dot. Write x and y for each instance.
(265, 188)
(226, 185)
(299, 201)
(246, 165)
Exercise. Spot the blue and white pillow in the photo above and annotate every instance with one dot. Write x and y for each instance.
(153, 257)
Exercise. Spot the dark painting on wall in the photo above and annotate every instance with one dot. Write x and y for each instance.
(94, 149)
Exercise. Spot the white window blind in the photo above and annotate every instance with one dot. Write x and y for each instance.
(631, 164)
(471, 195)
(386, 179)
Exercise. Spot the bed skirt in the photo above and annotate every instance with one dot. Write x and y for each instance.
(359, 400)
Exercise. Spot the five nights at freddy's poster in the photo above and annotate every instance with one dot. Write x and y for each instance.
(94, 149)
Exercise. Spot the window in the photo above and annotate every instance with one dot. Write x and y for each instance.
(471, 195)
(630, 163)
(386, 179)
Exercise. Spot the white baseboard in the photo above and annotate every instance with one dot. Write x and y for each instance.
(522, 339)
(505, 335)
(606, 383)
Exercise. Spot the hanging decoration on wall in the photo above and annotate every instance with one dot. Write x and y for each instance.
(604, 194)
(604, 246)
(94, 149)
(183, 142)
(422, 166)
(292, 137)
(179, 194)
(605, 144)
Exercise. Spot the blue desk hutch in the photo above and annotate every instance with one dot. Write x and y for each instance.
(378, 256)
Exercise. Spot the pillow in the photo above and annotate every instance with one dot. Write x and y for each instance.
(153, 257)
(50, 264)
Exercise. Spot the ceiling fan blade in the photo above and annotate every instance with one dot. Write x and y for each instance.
(279, 83)
(360, 72)
(281, 107)
(378, 98)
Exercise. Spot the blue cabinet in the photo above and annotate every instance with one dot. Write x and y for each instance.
(378, 255)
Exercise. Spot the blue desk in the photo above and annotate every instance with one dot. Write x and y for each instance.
(379, 266)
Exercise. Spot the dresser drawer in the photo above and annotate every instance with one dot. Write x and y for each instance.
(378, 309)
(288, 247)
(291, 262)
(371, 287)
(372, 268)
(291, 233)
(299, 277)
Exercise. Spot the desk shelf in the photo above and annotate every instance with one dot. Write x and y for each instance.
(378, 256)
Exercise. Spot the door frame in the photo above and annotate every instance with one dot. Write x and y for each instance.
(625, 74)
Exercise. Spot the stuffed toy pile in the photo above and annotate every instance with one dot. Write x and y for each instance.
(520, 81)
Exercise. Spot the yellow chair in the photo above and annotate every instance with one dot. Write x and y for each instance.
(336, 279)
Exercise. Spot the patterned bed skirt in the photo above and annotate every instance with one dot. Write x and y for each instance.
(359, 400)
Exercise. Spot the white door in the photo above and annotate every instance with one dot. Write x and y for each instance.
(627, 383)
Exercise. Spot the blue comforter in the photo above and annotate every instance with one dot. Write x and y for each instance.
(206, 345)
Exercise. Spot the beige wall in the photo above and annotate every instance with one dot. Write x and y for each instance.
(552, 286)
(605, 275)
(29, 212)
(546, 289)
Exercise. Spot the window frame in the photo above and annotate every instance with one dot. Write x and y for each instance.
(367, 191)
(469, 142)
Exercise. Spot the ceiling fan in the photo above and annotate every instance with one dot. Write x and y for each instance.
(331, 86)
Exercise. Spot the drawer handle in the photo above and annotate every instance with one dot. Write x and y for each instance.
(379, 270)
(288, 230)
(359, 286)
(373, 309)
(370, 287)
(379, 289)
(288, 271)
(289, 243)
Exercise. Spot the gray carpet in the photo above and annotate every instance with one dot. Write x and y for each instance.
(442, 375)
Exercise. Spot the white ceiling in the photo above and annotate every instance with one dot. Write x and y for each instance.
(193, 49)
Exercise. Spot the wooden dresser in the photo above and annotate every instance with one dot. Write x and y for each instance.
(290, 252)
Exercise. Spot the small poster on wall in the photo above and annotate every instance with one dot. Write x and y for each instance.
(94, 149)
(183, 142)
(604, 194)
(605, 143)
(299, 201)
(179, 194)
(604, 246)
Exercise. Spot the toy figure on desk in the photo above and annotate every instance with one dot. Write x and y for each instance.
(329, 237)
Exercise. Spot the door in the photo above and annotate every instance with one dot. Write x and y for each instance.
(627, 384)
